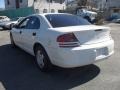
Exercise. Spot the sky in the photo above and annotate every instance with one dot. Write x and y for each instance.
(2, 5)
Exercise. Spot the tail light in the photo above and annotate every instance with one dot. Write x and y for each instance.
(68, 40)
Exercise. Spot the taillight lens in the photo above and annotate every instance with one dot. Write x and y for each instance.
(68, 40)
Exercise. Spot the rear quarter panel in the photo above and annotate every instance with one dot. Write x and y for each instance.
(47, 38)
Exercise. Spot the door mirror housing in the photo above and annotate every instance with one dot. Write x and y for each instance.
(15, 26)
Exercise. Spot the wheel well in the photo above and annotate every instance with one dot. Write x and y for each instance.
(36, 45)
(39, 45)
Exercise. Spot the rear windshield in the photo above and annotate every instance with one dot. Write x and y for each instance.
(64, 20)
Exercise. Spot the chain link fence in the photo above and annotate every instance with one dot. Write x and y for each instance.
(21, 12)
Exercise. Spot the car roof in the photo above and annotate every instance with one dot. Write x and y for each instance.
(54, 14)
(44, 14)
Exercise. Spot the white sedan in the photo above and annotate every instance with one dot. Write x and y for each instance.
(64, 40)
(3, 20)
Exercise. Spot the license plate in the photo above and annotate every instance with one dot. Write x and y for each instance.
(102, 51)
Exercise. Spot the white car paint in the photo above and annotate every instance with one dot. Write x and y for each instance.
(93, 45)
(3, 20)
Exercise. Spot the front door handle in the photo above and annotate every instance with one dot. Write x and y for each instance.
(34, 34)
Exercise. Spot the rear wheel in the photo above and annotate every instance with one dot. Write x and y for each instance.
(42, 59)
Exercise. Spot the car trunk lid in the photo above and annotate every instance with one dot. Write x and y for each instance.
(87, 34)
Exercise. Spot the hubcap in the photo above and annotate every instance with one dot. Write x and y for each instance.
(40, 59)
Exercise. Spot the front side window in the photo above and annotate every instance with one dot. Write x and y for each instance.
(23, 23)
(64, 20)
(30, 23)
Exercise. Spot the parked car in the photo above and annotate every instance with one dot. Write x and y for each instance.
(3, 19)
(114, 17)
(9, 24)
(116, 20)
(88, 15)
(64, 40)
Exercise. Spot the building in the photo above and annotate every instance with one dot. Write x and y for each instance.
(107, 4)
(113, 3)
(1, 9)
(40, 6)
(43, 6)
(100, 4)
(80, 3)
(15, 4)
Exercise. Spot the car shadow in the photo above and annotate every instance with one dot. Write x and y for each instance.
(19, 72)
(4, 29)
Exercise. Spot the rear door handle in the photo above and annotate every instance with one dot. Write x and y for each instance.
(34, 34)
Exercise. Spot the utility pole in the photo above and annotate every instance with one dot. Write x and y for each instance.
(49, 5)
(33, 4)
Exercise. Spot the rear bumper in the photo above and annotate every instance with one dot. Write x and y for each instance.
(83, 55)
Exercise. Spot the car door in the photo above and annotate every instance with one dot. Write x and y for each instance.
(16, 35)
(17, 32)
(30, 32)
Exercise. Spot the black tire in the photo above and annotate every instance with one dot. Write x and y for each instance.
(44, 64)
(12, 41)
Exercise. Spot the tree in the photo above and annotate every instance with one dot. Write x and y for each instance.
(82, 2)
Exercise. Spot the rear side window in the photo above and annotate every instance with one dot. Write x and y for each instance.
(63, 20)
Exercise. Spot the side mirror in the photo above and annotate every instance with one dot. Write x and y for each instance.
(15, 26)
